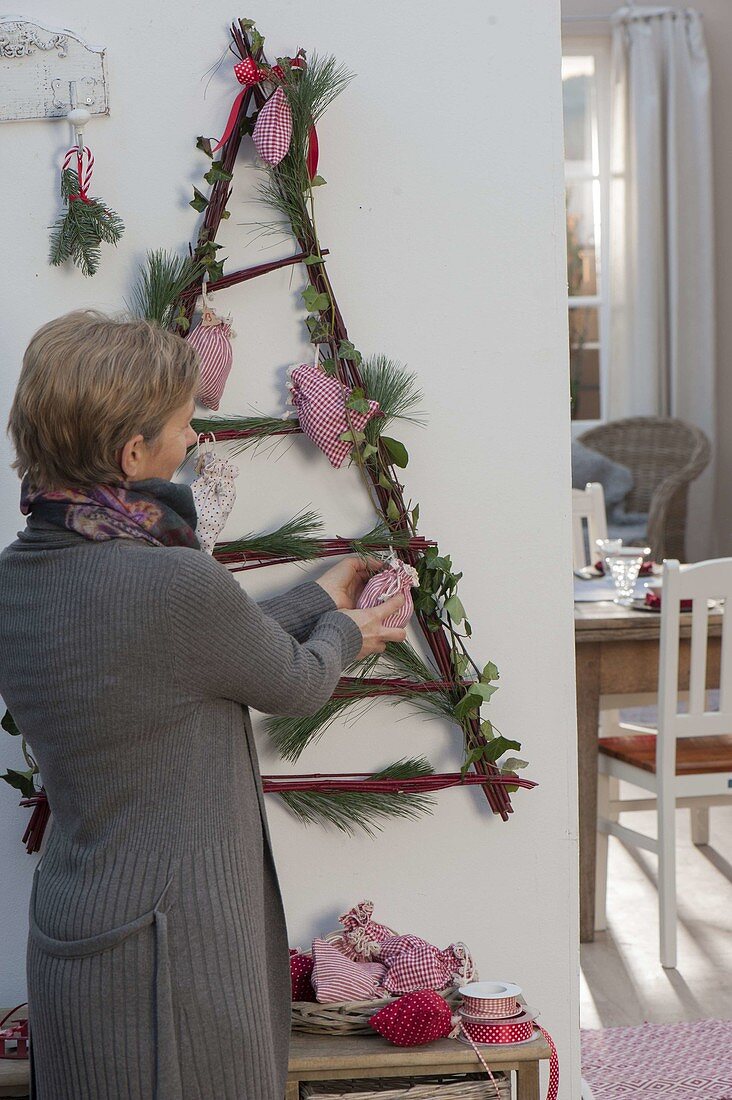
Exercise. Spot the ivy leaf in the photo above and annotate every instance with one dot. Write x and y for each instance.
(415, 514)
(315, 300)
(455, 609)
(486, 728)
(368, 450)
(199, 202)
(8, 724)
(472, 758)
(204, 144)
(352, 436)
(384, 481)
(217, 172)
(257, 40)
(22, 781)
(497, 747)
(392, 512)
(347, 350)
(357, 401)
(225, 214)
(329, 366)
(514, 764)
(461, 664)
(484, 690)
(317, 181)
(397, 451)
(470, 701)
(312, 259)
(468, 629)
(490, 672)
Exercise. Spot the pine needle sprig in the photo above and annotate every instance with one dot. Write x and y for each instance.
(351, 810)
(161, 281)
(402, 659)
(77, 233)
(291, 735)
(395, 388)
(243, 432)
(295, 539)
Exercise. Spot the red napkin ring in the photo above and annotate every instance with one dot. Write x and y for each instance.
(653, 600)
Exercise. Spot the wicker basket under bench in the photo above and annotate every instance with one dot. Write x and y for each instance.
(369, 1058)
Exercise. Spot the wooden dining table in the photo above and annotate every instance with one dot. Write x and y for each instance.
(616, 653)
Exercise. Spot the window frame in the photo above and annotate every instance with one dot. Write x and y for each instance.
(598, 46)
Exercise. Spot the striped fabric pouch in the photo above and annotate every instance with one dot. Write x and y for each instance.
(397, 577)
(212, 340)
(336, 978)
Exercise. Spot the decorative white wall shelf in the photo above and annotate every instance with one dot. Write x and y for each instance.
(41, 69)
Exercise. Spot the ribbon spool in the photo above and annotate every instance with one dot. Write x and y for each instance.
(491, 1000)
(491, 1015)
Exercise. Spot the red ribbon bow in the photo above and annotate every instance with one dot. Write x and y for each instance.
(248, 73)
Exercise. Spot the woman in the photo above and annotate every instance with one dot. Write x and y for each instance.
(158, 956)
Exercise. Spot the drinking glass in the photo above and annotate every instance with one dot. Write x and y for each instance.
(624, 565)
(605, 547)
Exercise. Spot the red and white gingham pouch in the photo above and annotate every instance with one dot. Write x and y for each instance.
(320, 401)
(397, 577)
(272, 132)
(212, 340)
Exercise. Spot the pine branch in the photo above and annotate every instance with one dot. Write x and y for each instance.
(160, 283)
(396, 390)
(77, 233)
(244, 432)
(294, 539)
(351, 810)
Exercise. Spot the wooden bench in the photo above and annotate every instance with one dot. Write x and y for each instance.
(339, 1057)
(335, 1058)
(14, 1077)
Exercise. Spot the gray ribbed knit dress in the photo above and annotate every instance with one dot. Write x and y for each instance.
(157, 957)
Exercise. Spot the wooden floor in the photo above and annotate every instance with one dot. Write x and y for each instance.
(623, 982)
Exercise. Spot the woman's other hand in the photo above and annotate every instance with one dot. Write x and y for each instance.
(345, 581)
(370, 621)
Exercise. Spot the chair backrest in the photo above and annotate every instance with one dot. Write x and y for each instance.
(589, 522)
(700, 583)
(664, 455)
(652, 447)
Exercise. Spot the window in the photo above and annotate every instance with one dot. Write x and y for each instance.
(586, 96)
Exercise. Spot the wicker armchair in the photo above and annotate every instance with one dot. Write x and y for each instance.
(665, 456)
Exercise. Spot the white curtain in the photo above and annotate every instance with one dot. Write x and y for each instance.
(662, 352)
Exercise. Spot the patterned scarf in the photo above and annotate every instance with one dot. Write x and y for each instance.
(155, 511)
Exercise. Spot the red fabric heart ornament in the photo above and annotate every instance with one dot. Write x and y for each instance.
(301, 967)
(413, 1020)
(320, 401)
(273, 129)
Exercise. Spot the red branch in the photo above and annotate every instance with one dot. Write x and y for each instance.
(322, 548)
(245, 274)
(423, 784)
(354, 686)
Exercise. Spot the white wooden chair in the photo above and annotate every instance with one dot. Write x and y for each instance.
(589, 522)
(687, 761)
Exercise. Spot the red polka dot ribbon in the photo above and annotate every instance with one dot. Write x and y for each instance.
(83, 171)
(486, 1029)
(248, 73)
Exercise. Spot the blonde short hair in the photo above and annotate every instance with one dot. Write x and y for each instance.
(88, 385)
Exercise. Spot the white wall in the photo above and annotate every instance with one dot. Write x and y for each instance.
(444, 212)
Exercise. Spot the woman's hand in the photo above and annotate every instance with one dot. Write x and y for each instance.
(345, 581)
(370, 621)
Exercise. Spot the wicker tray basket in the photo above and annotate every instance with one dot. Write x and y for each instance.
(352, 1017)
(463, 1086)
(347, 1017)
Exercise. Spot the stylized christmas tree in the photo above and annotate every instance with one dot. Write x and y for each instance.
(280, 106)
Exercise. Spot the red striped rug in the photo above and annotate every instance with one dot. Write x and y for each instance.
(687, 1061)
